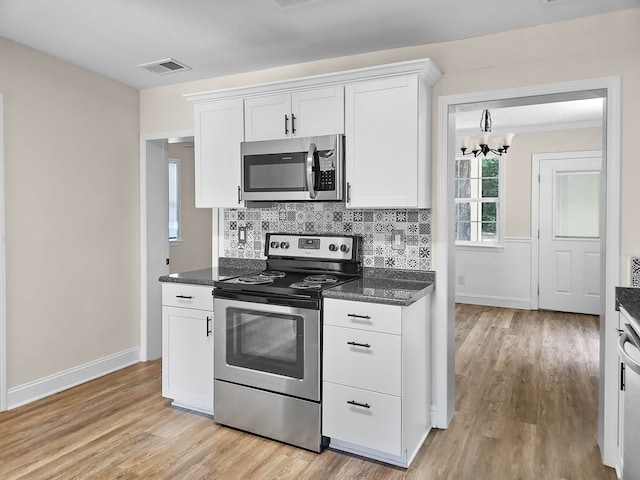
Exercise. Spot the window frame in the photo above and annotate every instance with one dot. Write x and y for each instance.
(176, 161)
(498, 243)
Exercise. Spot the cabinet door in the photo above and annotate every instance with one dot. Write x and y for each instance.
(318, 112)
(218, 133)
(187, 357)
(267, 117)
(381, 135)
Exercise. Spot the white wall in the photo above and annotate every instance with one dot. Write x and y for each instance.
(71, 188)
(499, 277)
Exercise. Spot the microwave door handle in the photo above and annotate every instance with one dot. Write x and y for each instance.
(310, 179)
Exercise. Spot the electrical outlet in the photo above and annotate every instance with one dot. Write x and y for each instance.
(398, 240)
(242, 235)
(460, 279)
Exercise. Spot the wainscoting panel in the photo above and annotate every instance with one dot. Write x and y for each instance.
(497, 277)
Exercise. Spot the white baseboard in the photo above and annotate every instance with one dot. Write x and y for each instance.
(32, 391)
(489, 301)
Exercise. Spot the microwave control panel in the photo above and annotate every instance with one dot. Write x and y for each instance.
(327, 171)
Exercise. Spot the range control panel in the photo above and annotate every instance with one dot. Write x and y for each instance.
(322, 247)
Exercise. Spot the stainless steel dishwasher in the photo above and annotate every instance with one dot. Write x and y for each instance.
(629, 352)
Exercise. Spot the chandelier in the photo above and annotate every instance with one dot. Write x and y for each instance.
(486, 143)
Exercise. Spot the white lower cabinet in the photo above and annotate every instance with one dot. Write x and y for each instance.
(187, 346)
(376, 397)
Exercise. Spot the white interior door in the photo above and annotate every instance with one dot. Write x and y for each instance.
(569, 246)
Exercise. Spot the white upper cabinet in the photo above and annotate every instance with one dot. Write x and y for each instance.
(383, 111)
(304, 113)
(386, 143)
(218, 134)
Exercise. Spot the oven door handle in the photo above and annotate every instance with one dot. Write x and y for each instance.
(298, 301)
(310, 174)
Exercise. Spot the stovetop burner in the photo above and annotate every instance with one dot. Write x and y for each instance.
(304, 285)
(320, 279)
(272, 274)
(254, 280)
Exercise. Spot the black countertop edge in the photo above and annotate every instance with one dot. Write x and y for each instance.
(629, 298)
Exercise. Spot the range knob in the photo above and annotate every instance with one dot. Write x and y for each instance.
(333, 247)
(344, 248)
(274, 244)
(284, 245)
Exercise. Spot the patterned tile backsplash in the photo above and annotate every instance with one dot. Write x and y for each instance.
(375, 227)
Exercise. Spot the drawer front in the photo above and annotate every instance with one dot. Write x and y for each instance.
(362, 315)
(375, 423)
(187, 296)
(362, 359)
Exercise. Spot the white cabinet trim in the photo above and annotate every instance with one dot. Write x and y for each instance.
(425, 67)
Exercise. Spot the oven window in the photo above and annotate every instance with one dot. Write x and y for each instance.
(263, 173)
(267, 342)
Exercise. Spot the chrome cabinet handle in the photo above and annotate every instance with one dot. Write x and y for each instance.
(286, 125)
(209, 326)
(358, 404)
(356, 344)
(310, 179)
(624, 356)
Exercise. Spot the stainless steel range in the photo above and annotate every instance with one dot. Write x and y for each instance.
(267, 337)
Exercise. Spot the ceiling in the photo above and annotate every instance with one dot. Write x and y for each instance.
(538, 117)
(223, 37)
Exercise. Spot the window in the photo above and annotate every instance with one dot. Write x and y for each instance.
(174, 200)
(478, 200)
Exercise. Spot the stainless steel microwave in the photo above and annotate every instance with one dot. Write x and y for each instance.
(293, 169)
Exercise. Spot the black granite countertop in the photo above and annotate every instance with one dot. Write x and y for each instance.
(378, 285)
(388, 286)
(228, 268)
(629, 298)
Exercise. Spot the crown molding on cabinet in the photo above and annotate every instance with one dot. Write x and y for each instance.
(424, 67)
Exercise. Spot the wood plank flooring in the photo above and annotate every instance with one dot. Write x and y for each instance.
(526, 408)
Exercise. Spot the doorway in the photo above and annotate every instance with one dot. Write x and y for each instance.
(444, 262)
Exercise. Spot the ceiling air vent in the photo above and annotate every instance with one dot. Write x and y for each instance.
(165, 67)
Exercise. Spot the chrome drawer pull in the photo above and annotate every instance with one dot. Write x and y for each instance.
(364, 317)
(357, 404)
(356, 344)
(188, 297)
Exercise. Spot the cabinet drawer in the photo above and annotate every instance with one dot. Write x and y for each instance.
(376, 424)
(362, 315)
(187, 296)
(363, 359)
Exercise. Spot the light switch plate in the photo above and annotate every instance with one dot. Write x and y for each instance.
(398, 240)
(242, 235)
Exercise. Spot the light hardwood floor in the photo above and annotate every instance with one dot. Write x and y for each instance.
(526, 408)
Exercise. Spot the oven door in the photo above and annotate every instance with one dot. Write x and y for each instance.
(267, 344)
